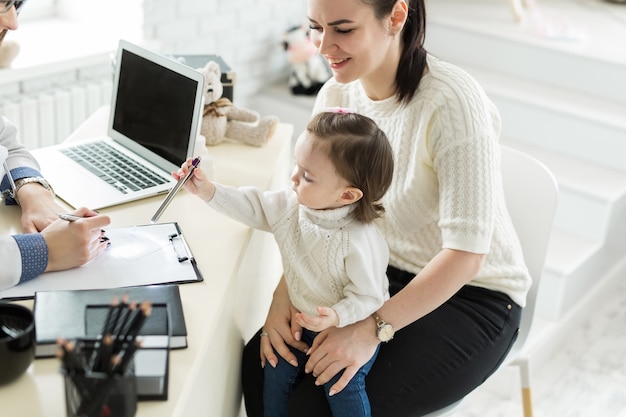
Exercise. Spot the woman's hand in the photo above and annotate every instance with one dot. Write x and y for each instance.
(71, 244)
(280, 329)
(347, 348)
(39, 208)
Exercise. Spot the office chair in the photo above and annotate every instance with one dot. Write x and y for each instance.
(531, 193)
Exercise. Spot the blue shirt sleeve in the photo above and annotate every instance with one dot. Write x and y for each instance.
(34, 251)
(17, 173)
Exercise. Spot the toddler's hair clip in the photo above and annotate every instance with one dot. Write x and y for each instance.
(341, 110)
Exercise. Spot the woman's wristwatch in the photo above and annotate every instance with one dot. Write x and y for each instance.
(384, 331)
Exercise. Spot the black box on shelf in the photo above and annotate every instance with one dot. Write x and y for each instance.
(199, 61)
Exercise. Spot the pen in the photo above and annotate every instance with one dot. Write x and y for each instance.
(10, 178)
(69, 217)
(72, 218)
(174, 190)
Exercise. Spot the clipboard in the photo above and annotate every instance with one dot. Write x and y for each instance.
(138, 255)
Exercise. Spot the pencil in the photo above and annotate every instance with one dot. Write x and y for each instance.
(128, 355)
(118, 312)
(145, 309)
(123, 327)
(103, 354)
(107, 322)
(71, 358)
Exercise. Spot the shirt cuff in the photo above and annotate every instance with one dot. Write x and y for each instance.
(34, 251)
(17, 174)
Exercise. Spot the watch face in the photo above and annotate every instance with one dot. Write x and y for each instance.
(385, 332)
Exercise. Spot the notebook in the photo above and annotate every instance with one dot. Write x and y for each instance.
(155, 114)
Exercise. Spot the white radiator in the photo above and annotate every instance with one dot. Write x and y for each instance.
(49, 118)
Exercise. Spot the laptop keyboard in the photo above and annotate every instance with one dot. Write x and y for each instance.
(113, 167)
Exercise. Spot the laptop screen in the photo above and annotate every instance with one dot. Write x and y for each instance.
(154, 104)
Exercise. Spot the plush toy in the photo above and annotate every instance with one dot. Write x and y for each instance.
(309, 70)
(223, 120)
(8, 51)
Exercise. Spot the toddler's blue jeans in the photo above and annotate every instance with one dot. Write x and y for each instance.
(279, 382)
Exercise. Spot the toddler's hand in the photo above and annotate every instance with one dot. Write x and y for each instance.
(198, 184)
(327, 318)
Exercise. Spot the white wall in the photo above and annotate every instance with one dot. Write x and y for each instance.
(246, 33)
(73, 46)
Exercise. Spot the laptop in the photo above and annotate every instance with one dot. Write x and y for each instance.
(154, 120)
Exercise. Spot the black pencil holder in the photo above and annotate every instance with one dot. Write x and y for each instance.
(97, 394)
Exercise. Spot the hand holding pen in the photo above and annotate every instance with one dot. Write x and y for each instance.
(182, 179)
(199, 184)
(74, 243)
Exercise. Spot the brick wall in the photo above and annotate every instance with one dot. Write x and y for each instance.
(246, 33)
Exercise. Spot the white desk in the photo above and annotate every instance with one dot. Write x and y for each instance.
(240, 267)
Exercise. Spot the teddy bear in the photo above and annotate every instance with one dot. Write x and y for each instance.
(8, 51)
(309, 70)
(222, 120)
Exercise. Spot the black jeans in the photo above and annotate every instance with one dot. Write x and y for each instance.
(429, 364)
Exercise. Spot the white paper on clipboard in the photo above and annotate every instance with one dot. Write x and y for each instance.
(139, 255)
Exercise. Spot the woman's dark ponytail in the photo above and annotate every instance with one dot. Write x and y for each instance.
(413, 56)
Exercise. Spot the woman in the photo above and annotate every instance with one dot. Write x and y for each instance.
(457, 275)
(48, 244)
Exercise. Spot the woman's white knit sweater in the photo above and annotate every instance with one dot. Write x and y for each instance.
(329, 258)
(447, 188)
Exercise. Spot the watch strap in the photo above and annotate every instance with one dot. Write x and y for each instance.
(29, 180)
(384, 330)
